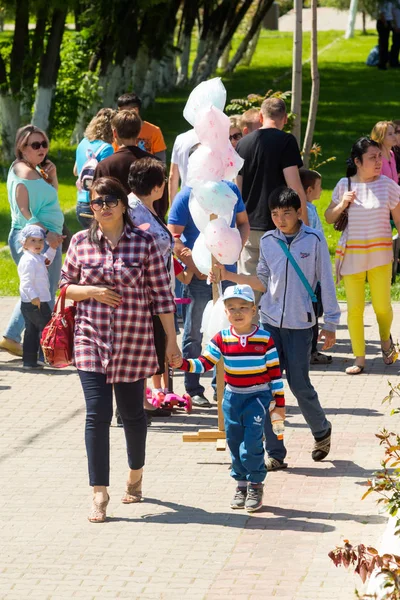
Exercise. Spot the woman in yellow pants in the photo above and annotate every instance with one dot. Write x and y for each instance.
(364, 251)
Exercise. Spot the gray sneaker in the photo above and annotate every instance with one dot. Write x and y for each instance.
(254, 497)
(239, 499)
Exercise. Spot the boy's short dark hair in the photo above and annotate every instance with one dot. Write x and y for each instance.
(145, 174)
(127, 124)
(284, 197)
(130, 99)
(308, 177)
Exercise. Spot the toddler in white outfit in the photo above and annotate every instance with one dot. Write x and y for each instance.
(34, 290)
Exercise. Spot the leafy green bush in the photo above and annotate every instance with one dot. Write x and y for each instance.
(76, 86)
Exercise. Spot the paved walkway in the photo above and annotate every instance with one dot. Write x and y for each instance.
(329, 19)
(184, 541)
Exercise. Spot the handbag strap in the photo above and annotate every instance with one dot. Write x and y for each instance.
(61, 300)
(299, 272)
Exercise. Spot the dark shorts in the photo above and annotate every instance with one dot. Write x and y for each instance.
(159, 342)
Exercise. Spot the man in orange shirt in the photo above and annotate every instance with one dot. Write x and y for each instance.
(150, 137)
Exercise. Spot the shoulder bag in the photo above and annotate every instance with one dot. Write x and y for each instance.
(314, 295)
(341, 223)
(57, 339)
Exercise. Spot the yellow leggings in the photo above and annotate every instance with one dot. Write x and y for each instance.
(379, 283)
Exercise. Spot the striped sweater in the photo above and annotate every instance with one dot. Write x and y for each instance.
(251, 362)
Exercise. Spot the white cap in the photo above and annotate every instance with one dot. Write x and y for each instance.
(31, 231)
(239, 291)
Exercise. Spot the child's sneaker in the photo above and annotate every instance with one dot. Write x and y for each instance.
(254, 497)
(239, 499)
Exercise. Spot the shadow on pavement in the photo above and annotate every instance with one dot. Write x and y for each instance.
(326, 516)
(182, 514)
(340, 468)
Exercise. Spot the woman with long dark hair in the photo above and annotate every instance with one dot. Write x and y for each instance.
(117, 276)
(365, 251)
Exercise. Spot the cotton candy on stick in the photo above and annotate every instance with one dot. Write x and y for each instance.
(206, 94)
(222, 241)
(215, 197)
(212, 128)
(201, 255)
(204, 165)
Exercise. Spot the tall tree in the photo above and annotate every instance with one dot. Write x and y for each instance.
(49, 66)
(263, 7)
(297, 69)
(315, 81)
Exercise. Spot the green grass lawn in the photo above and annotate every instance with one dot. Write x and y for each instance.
(352, 98)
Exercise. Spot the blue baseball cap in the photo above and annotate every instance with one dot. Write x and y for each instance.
(239, 291)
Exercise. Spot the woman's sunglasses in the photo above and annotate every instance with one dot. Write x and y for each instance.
(108, 201)
(236, 137)
(37, 145)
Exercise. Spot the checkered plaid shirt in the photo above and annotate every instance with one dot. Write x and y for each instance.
(118, 341)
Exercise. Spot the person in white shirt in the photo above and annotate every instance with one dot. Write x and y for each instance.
(34, 289)
(179, 161)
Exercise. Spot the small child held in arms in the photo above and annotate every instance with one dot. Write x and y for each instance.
(311, 182)
(253, 381)
(286, 311)
(34, 288)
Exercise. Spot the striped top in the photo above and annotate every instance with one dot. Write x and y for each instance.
(251, 362)
(366, 242)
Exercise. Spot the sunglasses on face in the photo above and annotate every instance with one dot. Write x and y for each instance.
(107, 201)
(37, 145)
(236, 137)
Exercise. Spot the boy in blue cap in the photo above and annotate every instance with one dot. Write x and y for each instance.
(252, 382)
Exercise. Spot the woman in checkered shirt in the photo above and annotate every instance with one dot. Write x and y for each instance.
(118, 279)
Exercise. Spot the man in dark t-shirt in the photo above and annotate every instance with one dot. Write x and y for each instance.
(271, 159)
(126, 126)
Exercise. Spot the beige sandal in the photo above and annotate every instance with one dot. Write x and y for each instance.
(98, 511)
(133, 492)
(390, 356)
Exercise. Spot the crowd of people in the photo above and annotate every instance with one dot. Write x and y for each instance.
(124, 267)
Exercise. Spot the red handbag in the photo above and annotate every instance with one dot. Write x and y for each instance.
(57, 339)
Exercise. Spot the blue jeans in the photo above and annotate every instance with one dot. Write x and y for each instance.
(200, 293)
(99, 410)
(83, 208)
(294, 349)
(16, 324)
(244, 417)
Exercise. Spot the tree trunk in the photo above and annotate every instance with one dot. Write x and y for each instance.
(248, 57)
(150, 86)
(297, 69)
(140, 70)
(364, 23)
(109, 83)
(220, 35)
(167, 72)
(253, 32)
(312, 115)
(224, 60)
(183, 71)
(48, 70)
(9, 119)
(29, 73)
(351, 20)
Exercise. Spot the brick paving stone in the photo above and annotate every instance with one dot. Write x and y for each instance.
(184, 541)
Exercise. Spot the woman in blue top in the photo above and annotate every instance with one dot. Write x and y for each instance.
(32, 193)
(98, 143)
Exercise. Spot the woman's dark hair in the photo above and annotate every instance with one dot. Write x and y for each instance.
(108, 186)
(358, 150)
(284, 197)
(144, 175)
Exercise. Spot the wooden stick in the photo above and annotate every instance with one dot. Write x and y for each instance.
(220, 365)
